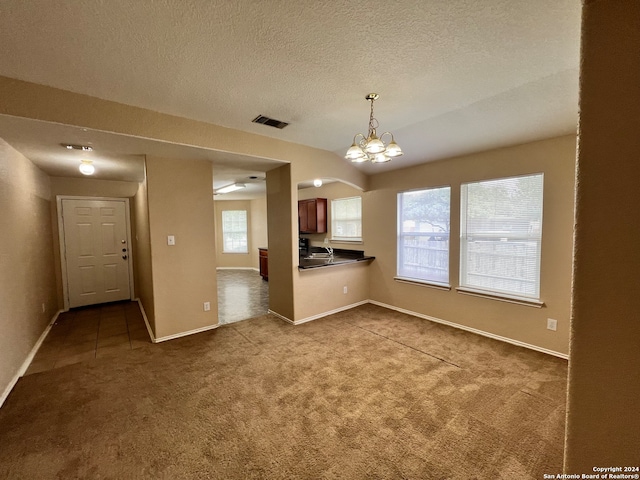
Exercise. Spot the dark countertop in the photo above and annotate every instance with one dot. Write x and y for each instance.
(340, 257)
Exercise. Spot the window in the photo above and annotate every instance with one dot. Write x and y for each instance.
(346, 219)
(501, 232)
(423, 235)
(234, 231)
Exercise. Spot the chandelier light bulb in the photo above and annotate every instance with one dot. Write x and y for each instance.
(380, 158)
(355, 153)
(375, 145)
(393, 149)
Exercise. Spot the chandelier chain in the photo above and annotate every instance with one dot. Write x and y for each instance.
(373, 123)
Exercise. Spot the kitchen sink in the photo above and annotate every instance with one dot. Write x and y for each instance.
(317, 261)
(318, 255)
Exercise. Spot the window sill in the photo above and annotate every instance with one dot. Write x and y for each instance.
(528, 302)
(423, 283)
(340, 240)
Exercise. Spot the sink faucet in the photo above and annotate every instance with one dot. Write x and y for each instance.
(329, 250)
(327, 247)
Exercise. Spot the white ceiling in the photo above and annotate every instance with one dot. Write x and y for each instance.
(454, 76)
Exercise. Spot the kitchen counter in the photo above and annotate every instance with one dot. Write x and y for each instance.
(340, 257)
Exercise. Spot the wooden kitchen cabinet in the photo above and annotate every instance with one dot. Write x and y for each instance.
(264, 263)
(312, 215)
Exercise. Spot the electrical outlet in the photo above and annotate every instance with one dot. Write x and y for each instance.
(344, 289)
(552, 324)
(207, 306)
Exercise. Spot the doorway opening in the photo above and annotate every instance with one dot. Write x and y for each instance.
(242, 294)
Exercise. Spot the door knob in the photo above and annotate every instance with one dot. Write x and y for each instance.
(124, 257)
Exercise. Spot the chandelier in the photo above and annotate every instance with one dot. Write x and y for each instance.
(371, 148)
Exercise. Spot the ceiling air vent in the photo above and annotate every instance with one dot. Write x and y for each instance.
(269, 121)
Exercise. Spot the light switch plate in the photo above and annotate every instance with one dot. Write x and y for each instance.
(171, 240)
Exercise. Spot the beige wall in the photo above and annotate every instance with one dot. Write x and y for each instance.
(603, 421)
(320, 291)
(556, 159)
(259, 230)
(81, 187)
(142, 263)
(92, 187)
(27, 280)
(180, 202)
(256, 232)
(30, 100)
(280, 220)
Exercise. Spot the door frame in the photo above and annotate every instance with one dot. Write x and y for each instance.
(61, 239)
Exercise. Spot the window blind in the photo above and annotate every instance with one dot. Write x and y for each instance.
(346, 219)
(501, 233)
(423, 234)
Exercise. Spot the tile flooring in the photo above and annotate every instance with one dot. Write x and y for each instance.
(242, 294)
(87, 333)
(98, 331)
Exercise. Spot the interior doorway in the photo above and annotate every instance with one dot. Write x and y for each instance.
(242, 294)
(95, 239)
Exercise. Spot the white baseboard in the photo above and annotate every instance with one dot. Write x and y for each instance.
(184, 334)
(390, 307)
(236, 268)
(281, 317)
(320, 315)
(175, 335)
(146, 320)
(330, 312)
(25, 365)
(472, 330)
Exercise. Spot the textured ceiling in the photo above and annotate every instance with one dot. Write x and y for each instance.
(454, 76)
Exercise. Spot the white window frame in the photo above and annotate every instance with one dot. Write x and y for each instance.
(503, 236)
(226, 232)
(427, 246)
(335, 219)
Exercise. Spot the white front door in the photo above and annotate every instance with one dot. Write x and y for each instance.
(96, 250)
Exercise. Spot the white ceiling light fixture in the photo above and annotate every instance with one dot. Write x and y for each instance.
(231, 188)
(86, 167)
(84, 148)
(371, 148)
(317, 182)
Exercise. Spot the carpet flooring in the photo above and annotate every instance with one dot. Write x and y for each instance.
(366, 393)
